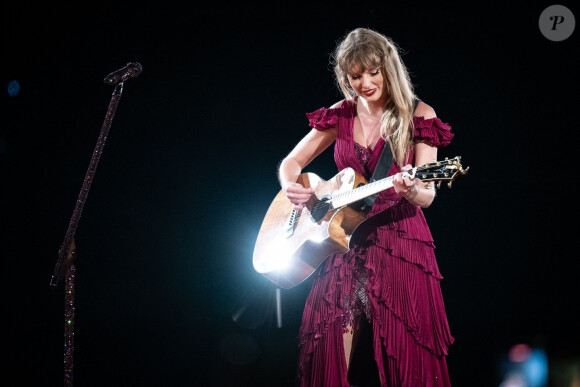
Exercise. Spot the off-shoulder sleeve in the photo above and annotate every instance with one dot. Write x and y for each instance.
(433, 131)
(323, 118)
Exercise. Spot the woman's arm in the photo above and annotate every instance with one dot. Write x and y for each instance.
(415, 191)
(313, 144)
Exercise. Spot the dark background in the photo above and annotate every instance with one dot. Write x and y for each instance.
(166, 294)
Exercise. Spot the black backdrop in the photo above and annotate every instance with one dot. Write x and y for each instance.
(165, 292)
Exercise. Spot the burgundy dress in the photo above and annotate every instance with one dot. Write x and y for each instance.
(390, 275)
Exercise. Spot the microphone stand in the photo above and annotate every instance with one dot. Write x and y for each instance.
(65, 267)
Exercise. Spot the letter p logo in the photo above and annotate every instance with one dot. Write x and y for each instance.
(557, 20)
(557, 23)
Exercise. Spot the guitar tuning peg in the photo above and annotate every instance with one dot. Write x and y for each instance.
(438, 185)
(449, 184)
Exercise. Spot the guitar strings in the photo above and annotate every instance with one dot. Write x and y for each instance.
(320, 203)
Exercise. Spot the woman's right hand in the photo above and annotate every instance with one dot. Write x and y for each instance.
(298, 195)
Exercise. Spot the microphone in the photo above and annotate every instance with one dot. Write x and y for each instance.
(132, 70)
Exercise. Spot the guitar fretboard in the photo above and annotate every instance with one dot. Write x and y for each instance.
(354, 195)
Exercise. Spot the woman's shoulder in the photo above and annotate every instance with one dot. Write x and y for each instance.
(339, 105)
(342, 103)
(425, 111)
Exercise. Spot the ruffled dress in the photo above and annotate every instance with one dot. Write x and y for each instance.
(389, 275)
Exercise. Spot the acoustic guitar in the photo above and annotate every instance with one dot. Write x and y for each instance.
(292, 244)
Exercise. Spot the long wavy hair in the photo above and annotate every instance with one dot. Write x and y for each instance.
(370, 50)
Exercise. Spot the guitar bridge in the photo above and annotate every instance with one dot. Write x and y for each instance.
(292, 222)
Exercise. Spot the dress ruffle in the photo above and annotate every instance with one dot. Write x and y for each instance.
(323, 118)
(433, 130)
(407, 236)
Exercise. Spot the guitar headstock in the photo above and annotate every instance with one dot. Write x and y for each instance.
(439, 171)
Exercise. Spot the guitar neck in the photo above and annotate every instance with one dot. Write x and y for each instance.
(345, 198)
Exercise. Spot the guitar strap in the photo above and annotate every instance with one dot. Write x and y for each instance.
(381, 170)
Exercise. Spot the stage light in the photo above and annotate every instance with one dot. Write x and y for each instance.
(276, 257)
(537, 368)
(525, 367)
(13, 88)
(519, 353)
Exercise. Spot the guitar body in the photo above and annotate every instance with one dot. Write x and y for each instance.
(292, 244)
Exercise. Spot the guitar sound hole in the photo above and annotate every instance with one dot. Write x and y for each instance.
(320, 209)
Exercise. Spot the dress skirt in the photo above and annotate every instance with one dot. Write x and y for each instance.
(390, 277)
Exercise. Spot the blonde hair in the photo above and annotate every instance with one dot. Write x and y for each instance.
(370, 50)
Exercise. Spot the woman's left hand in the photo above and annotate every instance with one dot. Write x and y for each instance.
(403, 184)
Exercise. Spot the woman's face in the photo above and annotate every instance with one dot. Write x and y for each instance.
(368, 84)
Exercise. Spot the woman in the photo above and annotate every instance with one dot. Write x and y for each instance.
(381, 300)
